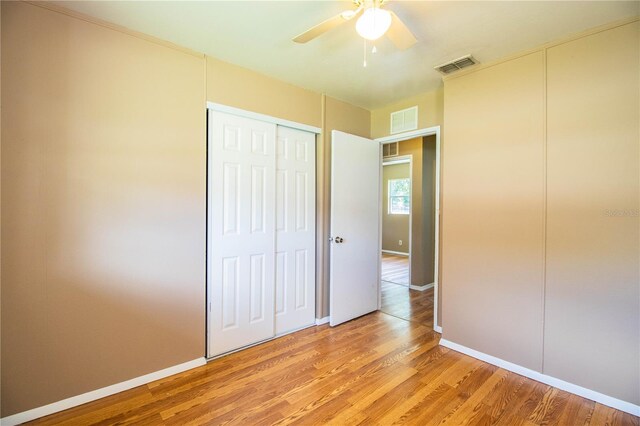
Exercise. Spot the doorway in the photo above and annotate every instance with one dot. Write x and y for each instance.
(396, 220)
(410, 226)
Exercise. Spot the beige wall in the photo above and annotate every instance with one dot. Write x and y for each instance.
(430, 112)
(103, 165)
(0, 211)
(428, 216)
(562, 296)
(395, 227)
(103, 172)
(493, 203)
(421, 263)
(592, 297)
(239, 87)
(70, 86)
(337, 115)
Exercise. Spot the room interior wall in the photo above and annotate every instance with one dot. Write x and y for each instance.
(428, 207)
(103, 206)
(430, 112)
(493, 198)
(0, 209)
(593, 185)
(395, 227)
(231, 85)
(541, 193)
(414, 147)
(117, 158)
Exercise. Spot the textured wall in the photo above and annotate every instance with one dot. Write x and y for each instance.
(103, 206)
(541, 248)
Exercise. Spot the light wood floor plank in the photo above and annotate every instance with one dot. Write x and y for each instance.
(395, 268)
(375, 370)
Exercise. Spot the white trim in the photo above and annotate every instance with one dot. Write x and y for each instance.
(435, 130)
(398, 159)
(609, 401)
(321, 321)
(74, 401)
(436, 251)
(421, 287)
(399, 137)
(380, 192)
(262, 117)
(399, 253)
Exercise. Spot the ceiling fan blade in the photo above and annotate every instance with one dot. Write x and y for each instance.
(321, 28)
(399, 34)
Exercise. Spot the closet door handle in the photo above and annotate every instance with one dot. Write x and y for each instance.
(338, 240)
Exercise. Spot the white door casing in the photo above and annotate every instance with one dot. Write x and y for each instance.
(295, 229)
(241, 231)
(355, 218)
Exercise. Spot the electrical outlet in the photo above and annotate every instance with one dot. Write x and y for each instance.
(399, 242)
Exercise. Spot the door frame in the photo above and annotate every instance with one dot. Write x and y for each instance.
(213, 106)
(399, 137)
(401, 159)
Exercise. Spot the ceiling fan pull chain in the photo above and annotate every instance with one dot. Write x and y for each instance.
(364, 64)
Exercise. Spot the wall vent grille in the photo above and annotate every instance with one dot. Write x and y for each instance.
(404, 120)
(390, 150)
(457, 64)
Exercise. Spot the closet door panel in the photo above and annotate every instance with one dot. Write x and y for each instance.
(241, 240)
(295, 229)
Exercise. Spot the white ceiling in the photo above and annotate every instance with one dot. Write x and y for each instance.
(257, 35)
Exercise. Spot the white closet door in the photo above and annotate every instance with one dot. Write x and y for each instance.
(295, 229)
(241, 241)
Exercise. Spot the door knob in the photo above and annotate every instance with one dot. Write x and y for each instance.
(338, 240)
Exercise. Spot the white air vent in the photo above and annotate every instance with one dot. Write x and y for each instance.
(390, 149)
(457, 64)
(404, 120)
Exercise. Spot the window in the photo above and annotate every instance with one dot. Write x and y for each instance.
(399, 196)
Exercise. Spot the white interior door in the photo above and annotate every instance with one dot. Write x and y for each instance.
(295, 229)
(355, 226)
(241, 240)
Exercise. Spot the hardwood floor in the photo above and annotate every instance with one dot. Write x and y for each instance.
(375, 370)
(395, 268)
(411, 305)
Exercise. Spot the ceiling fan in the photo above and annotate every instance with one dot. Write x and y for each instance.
(371, 25)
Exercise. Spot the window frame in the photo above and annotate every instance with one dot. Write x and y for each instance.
(390, 197)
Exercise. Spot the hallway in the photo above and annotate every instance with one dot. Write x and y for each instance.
(405, 303)
(395, 269)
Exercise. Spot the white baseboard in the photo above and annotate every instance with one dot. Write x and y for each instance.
(399, 253)
(320, 321)
(421, 287)
(437, 329)
(74, 401)
(609, 401)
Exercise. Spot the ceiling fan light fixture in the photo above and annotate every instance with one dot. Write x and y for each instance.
(373, 23)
